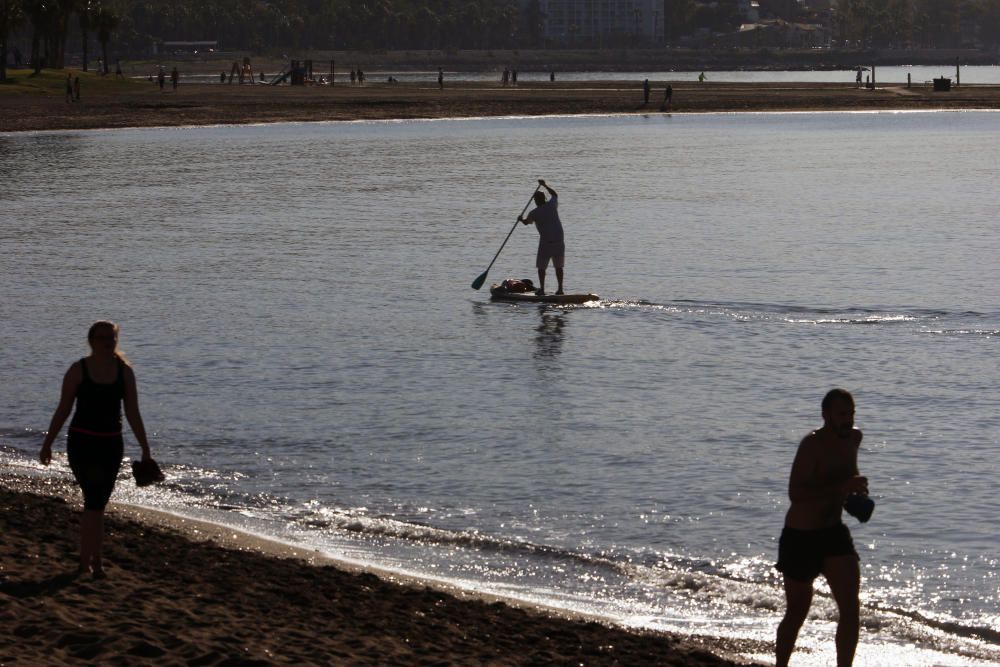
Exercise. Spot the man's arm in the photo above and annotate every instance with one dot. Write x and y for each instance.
(552, 192)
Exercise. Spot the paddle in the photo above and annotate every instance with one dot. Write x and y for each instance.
(478, 282)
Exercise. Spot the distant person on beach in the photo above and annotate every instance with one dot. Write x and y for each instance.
(857, 79)
(552, 77)
(174, 77)
(545, 215)
(76, 88)
(69, 87)
(513, 77)
(440, 78)
(815, 540)
(222, 77)
(668, 98)
(99, 384)
(645, 92)
(701, 77)
(161, 77)
(354, 76)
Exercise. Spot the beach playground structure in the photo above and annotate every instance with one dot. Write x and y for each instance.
(299, 73)
(242, 73)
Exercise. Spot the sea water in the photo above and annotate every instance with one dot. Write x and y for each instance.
(918, 75)
(314, 366)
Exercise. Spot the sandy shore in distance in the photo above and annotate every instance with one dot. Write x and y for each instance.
(208, 596)
(144, 105)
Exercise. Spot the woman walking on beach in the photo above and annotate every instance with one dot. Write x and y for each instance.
(98, 383)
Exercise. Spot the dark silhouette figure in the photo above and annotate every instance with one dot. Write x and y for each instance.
(161, 78)
(645, 92)
(99, 384)
(545, 215)
(76, 88)
(174, 77)
(69, 87)
(815, 540)
(440, 78)
(668, 98)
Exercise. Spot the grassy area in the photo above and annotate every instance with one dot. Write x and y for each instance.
(53, 82)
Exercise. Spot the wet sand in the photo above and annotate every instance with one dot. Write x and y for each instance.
(142, 104)
(182, 592)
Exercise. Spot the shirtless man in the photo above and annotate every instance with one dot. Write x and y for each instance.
(815, 541)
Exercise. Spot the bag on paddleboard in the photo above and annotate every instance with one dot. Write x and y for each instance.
(518, 286)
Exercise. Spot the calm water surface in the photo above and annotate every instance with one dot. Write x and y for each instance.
(315, 367)
(919, 75)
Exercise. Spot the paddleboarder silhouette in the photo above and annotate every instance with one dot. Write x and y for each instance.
(545, 217)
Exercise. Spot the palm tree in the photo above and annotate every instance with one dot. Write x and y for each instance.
(105, 20)
(11, 15)
(85, 14)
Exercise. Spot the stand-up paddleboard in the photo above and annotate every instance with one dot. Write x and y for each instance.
(498, 293)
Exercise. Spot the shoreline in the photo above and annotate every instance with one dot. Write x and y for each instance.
(192, 591)
(110, 104)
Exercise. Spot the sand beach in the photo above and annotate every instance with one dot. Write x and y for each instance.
(188, 593)
(38, 103)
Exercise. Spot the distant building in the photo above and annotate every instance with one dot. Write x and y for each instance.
(597, 22)
(777, 33)
(749, 10)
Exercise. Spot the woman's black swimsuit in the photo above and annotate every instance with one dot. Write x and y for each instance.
(95, 447)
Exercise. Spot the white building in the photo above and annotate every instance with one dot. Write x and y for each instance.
(595, 21)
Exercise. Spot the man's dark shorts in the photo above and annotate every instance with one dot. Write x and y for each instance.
(801, 552)
(551, 251)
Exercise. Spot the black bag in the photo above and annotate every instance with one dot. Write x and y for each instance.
(147, 472)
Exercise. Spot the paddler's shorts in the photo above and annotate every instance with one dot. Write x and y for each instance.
(554, 251)
(801, 552)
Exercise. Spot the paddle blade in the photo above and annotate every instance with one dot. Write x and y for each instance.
(478, 282)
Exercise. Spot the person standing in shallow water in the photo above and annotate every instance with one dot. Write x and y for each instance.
(815, 540)
(545, 215)
(99, 384)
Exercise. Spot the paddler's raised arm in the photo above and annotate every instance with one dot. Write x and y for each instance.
(541, 182)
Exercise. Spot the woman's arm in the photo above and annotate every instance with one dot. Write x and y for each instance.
(71, 381)
(132, 412)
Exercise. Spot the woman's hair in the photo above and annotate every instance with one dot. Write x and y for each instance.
(101, 324)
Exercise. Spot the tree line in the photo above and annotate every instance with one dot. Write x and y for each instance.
(259, 25)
